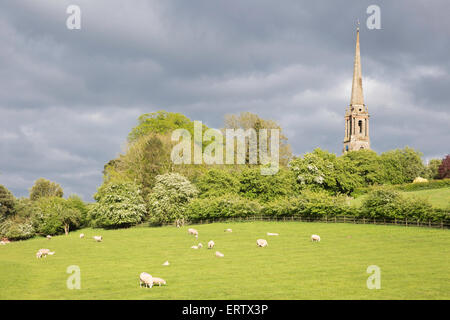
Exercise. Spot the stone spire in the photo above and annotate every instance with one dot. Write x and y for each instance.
(357, 91)
(357, 115)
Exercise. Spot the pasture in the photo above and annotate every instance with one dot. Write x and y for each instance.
(439, 198)
(414, 262)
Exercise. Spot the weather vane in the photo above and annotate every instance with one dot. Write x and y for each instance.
(357, 22)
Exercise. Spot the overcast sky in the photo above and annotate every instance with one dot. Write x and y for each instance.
(68, 98)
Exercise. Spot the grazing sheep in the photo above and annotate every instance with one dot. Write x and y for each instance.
(261, 243)
(228, 230)
(81, 235)
(193, 232)
(211, 244)
(200, 245)
(194, 247)
(272, 234)
(98, 238)
(43, 253)
(2, 243)
(166, 263)
(158, 281)
(315, 237)
(145, 279)
(49, 237)
(219, 254)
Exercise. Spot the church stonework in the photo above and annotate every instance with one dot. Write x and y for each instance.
(356, 114)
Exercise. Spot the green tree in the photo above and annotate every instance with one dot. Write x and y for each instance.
(432, 169)
(45, 188)
(119, 204)
(248, 120)
(315, 170)
(367, 165)
(265, 188)
(401, 165)
(161, 122)
(216, 182)
(7, 203)
(169, 198)
(56, 215)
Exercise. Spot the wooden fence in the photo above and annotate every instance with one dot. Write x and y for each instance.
(330, 219)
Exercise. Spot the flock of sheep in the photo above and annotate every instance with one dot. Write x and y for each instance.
(148, 280)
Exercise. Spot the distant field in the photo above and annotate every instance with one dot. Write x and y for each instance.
(414, 262)
(440, 198)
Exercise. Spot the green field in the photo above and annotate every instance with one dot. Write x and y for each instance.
(439, 198)
(414, 262)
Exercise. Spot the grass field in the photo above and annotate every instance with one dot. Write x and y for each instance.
(439, 198)
(414, 262)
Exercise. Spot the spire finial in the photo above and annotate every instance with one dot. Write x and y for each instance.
(357, 22)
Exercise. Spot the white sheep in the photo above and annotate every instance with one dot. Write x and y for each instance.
(272, 234)
(49, 237)
(145, 279)
(194, 247)
(261, 243)
(211, 244)
(315, 237)
(166, 263)
(158, 281)
(200, 245)
(219, 254)
(81, 235)
(193, 232)
(98, 238)
(2, 243)
(228, 230)
(43, 253)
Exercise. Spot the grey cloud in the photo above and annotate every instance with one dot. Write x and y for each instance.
(69, 98)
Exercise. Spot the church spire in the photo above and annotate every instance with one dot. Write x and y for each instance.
(357, 115)
(357, 91)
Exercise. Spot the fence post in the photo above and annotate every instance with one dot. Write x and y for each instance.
(442, 224)
(406, 221)
(395, 220)
(429, 223)
(344, 219)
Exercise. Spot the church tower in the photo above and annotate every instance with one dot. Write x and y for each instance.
(357, 114)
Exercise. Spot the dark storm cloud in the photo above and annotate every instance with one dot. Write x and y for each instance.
(69, 98)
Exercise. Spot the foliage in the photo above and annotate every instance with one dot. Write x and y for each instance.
(323, 170)
(7, 203)
(119, 204)
(217, 182)
(367, 164)
(143, 160)
(169, 197)
(401, 165)
(226, 206)
(247, 120)
(160, 122)
(75, 202)
(45, 188)
(444, 168)
(254, 185)
(17, 228)
(56, 215)
(432, 169)
(388, 203)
